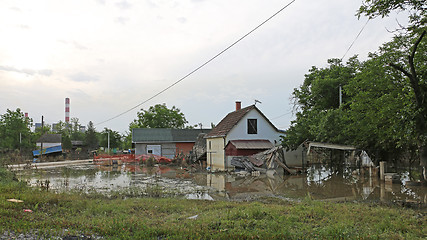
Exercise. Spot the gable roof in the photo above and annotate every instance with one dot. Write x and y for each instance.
(146, 135)
(50, 138)
(231, 120)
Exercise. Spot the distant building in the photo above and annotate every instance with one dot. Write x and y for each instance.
(82, 129)
(37, 125)
(49, 140)
(164, 141)
(54, 127)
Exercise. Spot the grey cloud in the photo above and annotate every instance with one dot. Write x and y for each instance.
(182, 20)
(124, 5)
(122, 20)
(75, 44)
(44, 72)
(79, 46)
(23, 26)
(15, 9)
(82, 77)
(101, 2)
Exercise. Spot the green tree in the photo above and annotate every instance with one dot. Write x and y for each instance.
(320, 117)
(75, 133)
(377, 113)
(91, 139)
(115, 138)
(15, 131)
(159, 116)
(411, 60)
(66, 142)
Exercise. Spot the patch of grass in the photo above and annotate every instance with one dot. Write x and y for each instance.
(168, 218)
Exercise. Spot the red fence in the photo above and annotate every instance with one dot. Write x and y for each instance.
(129, 158)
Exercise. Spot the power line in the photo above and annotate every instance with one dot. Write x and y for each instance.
(351, 45)
(201, 66)
(281, 115)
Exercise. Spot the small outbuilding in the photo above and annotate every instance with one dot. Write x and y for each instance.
(165, 142)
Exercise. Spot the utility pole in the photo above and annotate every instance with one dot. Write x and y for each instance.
(41, 142)
(340, 93)
(108, 132)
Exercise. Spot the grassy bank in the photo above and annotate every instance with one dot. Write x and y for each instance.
(165, 218)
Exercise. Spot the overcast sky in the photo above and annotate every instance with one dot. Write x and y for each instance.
(108, 56)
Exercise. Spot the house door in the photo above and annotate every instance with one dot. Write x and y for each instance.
(154, 149)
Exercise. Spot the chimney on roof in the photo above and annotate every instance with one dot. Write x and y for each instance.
(238, 105)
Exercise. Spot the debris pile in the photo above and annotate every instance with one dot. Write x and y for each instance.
(198, 153)
(271, 159)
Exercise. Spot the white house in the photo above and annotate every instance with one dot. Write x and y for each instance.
(247, 128)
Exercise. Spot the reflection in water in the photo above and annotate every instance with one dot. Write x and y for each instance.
(320, 182)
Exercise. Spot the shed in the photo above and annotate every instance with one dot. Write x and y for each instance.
(165, 142)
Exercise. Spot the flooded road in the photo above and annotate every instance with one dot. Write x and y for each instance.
(319, 183)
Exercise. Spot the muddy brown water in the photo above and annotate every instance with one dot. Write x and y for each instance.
(319, 182)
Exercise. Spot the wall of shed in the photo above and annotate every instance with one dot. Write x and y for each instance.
(215, 153)
(184, 147)
(48, 145)
(296, 158)
(168, 149)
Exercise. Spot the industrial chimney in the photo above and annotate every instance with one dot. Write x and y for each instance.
(67, 110)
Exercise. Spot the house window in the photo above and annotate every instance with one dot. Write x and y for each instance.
(252, 126)
(210, 145)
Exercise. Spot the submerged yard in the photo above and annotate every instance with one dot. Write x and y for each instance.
(46, 214)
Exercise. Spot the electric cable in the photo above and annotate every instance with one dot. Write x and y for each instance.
(281, 115)
(351, 45)
(201, 66)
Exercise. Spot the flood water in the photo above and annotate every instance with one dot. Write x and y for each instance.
(319, 183)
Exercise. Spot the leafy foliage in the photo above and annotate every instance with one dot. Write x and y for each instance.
(385, 97)
(90, 137)
(15, 131)
(159, 116)
(115, 138)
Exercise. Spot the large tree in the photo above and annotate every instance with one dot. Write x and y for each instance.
(91, 139)
(15, 131)
(320, 116)
(115, 138)
(160, 116)
(412, 60)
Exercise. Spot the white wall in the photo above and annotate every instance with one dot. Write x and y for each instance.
(265, 130)
(167, 149)
(47, 145)
(215, 153)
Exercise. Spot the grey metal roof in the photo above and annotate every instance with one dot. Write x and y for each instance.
(50, 138)
(142, 135)
(251, 144)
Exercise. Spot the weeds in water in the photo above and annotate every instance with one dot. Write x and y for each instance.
(118, 217)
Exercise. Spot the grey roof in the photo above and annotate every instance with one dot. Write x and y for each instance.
(251, 144)
(50, 138)
(148, 135)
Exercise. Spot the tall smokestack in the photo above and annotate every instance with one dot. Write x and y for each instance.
(26, 115)
(67, 110)
(238, 105)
